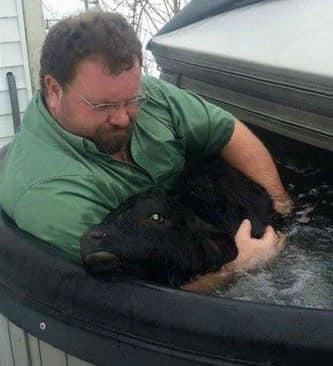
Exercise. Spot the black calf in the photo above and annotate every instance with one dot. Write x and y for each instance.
(170, 238)
(224, 197)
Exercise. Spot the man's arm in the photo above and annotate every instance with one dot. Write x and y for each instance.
(246, 152)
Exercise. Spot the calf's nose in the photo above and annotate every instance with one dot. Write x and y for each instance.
(101, 261)
(95, 256)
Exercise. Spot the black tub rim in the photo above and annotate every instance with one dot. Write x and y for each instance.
(142, 318)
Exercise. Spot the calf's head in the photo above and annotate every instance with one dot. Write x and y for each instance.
(155, 237)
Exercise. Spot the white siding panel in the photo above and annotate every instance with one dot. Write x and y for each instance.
(19, 74)
(13, 58)
(8, 8)
(9, 30)
(34, 351)
(6, 126)
(19, 345)
(6, 355)
(52, 356)
(24, 47)
(5, 107)
(11, 54)
(19, 348)
(4, 141)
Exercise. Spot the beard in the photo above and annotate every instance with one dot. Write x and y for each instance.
(111, 139)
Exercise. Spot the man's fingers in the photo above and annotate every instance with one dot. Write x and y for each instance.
(270, 235)
(245, 228)
(243, 237)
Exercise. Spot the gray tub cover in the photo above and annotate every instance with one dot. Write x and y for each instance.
(270, 63)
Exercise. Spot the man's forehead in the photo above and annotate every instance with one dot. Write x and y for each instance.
(93, 76)
(99, 69)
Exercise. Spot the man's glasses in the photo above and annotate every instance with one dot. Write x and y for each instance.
(131, 105)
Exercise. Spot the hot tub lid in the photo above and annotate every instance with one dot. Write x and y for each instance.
(270, 63)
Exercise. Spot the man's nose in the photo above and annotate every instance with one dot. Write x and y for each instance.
(120, 117)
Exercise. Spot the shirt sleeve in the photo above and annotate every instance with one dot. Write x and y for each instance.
(54, 212)
(205, 127)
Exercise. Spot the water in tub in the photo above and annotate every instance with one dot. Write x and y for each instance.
(303, 274)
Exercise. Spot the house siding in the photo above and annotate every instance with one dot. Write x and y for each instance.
(13, 58)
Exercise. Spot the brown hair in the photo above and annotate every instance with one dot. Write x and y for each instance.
(92, 34)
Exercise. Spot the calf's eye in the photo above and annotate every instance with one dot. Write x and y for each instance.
(157, 218)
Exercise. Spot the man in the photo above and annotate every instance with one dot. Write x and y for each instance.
(98, 133)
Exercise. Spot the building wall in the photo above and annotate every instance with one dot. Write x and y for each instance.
(35, 34)
(13, 58)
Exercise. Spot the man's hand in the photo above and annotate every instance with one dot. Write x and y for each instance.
(283, 206)
(253, 252)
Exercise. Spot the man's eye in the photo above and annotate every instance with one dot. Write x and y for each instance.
(157, 218)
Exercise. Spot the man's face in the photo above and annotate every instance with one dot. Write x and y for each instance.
(109, 128)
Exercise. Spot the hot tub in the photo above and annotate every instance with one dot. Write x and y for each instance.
(113, 320)
(55, 313)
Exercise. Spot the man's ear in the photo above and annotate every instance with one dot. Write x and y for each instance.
(54, 93)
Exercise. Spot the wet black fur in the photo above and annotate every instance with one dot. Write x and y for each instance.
(195, 234)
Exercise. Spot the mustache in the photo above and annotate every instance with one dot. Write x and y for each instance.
(107, 139)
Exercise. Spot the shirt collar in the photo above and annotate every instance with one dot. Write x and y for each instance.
(49, 127)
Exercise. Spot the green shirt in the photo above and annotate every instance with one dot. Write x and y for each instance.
(57, 185)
